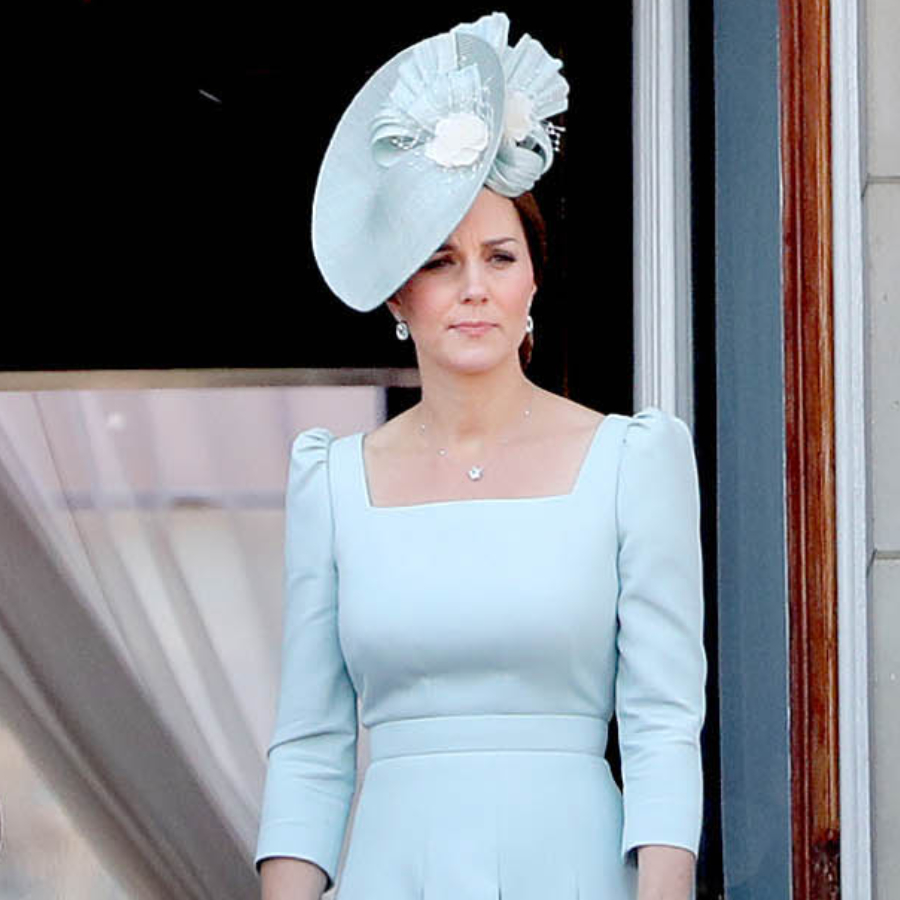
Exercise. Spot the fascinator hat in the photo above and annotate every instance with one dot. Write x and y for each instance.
(442, 119)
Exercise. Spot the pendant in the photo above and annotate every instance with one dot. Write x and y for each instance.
(475, 473)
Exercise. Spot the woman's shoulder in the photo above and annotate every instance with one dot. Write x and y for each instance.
(566, 418)
(393, 433)
(658, 456)
(653, 427)
(311, 443)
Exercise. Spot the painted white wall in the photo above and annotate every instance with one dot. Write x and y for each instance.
(663, 340)
(853, 482)
(881, 206)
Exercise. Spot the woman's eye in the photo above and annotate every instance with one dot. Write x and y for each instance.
(436, 263)
(504, 257)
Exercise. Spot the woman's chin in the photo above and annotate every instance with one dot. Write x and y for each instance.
(471, 362)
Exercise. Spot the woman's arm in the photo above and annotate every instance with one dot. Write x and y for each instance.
(291, 879)
(665, 873)
(311, 772)
(661, 662)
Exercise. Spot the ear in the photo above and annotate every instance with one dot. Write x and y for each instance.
(393, 305)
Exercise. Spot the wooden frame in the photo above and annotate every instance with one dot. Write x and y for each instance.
(810, 451)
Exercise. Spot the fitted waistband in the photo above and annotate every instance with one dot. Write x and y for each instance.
(449, 734)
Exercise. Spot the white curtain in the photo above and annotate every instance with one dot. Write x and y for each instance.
(141, 555)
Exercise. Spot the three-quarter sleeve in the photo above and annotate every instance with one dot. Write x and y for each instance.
(311, 772)
(661, 664)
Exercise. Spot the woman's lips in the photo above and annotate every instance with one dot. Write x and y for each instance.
(474, 329)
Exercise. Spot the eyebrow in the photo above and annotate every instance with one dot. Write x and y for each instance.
(491, 243)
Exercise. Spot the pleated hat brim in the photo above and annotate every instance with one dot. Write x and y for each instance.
(374, 226)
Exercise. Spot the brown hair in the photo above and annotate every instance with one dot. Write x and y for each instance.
(536, 235)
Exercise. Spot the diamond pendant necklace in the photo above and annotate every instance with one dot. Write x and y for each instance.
(476, 472)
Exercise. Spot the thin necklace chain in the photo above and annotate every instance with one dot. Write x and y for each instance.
(476, 472)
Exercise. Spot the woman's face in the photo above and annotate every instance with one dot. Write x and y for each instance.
(482, 273)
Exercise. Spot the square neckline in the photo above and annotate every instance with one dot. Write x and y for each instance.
(468, 501)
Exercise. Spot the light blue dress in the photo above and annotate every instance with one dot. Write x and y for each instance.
(488, 642)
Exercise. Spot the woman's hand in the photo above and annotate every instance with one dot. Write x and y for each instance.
(284, 878)
(665, 873)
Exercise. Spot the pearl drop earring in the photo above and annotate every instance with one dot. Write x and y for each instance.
(402, 330)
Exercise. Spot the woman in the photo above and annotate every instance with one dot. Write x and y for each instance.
(493, 572)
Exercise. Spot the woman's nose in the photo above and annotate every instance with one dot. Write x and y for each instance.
(474, 283)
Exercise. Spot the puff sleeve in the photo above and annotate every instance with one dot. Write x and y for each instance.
(661, 663)
(311, 772)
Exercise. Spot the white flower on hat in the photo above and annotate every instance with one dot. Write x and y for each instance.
(535, 91)
(519, 116)
(459, 140)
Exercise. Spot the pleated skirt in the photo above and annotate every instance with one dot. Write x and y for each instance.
(488, 807)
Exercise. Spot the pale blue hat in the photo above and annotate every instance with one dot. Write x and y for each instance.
(435, 124)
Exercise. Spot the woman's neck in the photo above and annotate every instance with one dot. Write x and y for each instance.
(468, 411)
